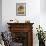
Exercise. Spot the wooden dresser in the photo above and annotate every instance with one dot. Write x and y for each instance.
(22, 33)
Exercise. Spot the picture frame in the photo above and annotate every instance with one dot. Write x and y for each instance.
(21, 9)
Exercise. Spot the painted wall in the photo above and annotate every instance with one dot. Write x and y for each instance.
(9, 11)
(43, 14)
(43, 6)
(33, 13)
(0, 15)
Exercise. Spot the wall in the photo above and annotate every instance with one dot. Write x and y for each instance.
(0, 15)
(43, 6)
(43, 14)
(9, 11)
(33, 13)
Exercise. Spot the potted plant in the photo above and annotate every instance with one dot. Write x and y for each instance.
(41, 36)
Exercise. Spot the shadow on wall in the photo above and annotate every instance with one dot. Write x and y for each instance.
(0, 24)
(43, 6)
(0, 15)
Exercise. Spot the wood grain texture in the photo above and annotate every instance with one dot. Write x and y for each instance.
(23, 27)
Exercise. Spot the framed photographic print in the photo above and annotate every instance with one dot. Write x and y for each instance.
(21, 9)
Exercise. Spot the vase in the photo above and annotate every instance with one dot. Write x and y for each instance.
(41, 43)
